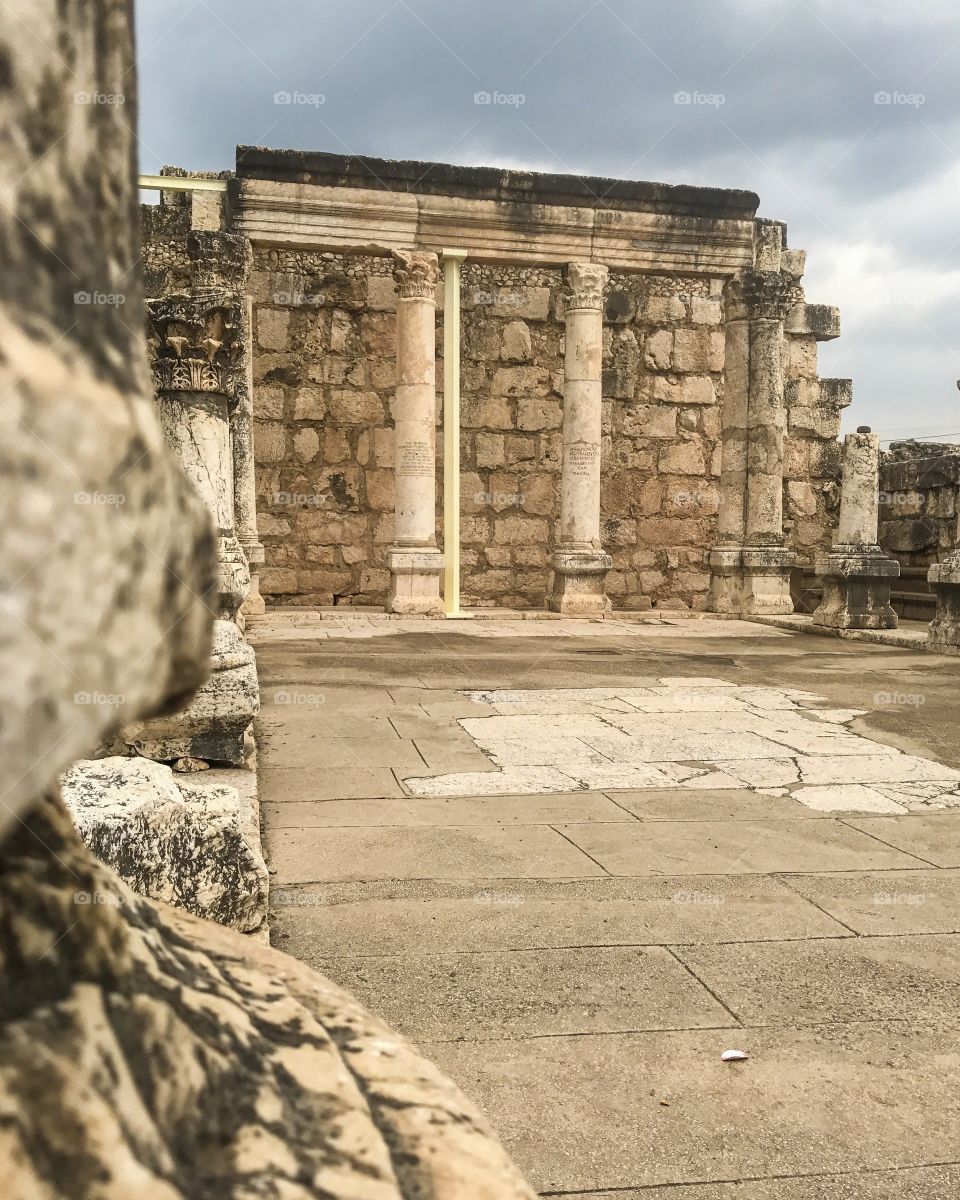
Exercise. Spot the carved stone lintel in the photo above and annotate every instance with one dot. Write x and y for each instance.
(585, 284)
(416, 273)
(196, 342)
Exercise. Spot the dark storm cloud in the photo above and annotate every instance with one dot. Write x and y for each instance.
(787, 99)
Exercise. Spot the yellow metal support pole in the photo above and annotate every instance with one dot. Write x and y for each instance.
(451, 433)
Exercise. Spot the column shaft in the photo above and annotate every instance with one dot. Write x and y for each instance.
(414, 560)
(580, 565)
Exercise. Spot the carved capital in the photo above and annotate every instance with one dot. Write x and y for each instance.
(416, 273)
(585, 284)
(196, 343)
(768, 295)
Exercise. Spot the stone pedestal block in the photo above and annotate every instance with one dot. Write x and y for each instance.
(415, 581)
(214, 726)
(751, 581)
(945, 628)
(188, 844)
(856, 589)
(578, 588)
(857, 574)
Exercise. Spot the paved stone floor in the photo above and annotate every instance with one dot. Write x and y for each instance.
(576, 861)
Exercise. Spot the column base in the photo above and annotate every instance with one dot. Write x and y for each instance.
(944, 578)
(233, 575)
(214, 725)
(254, 605)
(856, 589)
(750, 581)
(415, 581)
(578, 583)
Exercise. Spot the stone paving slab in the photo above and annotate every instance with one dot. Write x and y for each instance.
(910, 1183)
(510, 925)
(521, 993)
(720, 847)
(415, 810)
(734, 804)
(285, 785)
(933, 838)
(584, 1113)
(397, 917)
(887, 902)
(851, 979)
(450, 852)
(356, 752)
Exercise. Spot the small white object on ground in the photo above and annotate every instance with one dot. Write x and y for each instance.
(733, 1056)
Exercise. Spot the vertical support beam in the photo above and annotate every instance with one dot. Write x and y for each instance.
(451, 431)
(414, 561)
(579, 563)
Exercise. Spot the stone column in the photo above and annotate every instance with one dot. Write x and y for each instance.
(197, 347)
(244, 477)
(754, 577)
(579, 563)
(197, 342)
(415, 562)
(857, 574)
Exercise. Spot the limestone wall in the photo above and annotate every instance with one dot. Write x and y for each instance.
(919, 502)
(324, 376)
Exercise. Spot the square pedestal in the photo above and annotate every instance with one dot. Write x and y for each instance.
(579, 583)
(415, 581)
(856, 589)
(945, 628)
(751, 581)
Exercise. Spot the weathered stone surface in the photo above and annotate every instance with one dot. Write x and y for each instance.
(189, 845)
(142, 1052)
(214, 725)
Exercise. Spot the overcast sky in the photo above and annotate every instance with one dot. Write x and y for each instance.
(844, 115)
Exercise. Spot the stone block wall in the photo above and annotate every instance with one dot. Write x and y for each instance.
(919, 502)
(324, 374)
(813, 464)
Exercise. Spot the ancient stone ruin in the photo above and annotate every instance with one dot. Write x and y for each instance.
(144, 1052)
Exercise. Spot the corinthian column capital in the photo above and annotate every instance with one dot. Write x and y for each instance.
(196, 343)
(769, 295)
(585, 284)
(416, 273)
